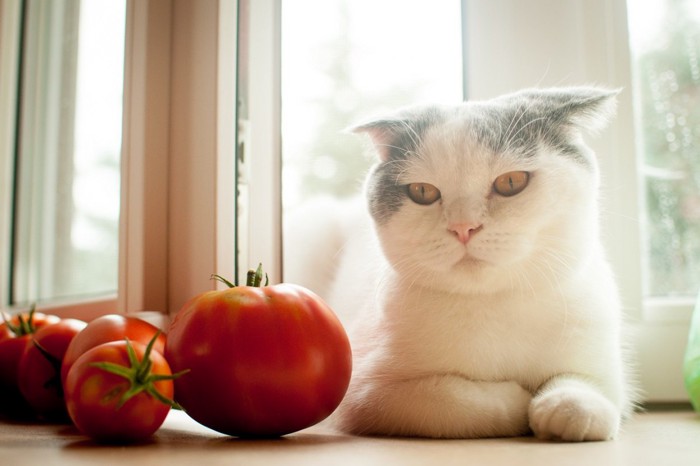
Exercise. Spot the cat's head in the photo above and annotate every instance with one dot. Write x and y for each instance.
(488, 194)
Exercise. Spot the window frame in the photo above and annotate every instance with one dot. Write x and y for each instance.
(201, 194)
(10, 13)
(264, 153)
(11, 60)
(179, 171)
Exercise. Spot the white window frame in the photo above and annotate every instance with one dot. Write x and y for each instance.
(264, 234)
(178, 219)
(201, 195)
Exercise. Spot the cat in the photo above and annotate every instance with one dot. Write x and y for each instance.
(473, 283)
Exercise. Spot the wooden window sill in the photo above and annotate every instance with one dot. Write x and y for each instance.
(653, 438)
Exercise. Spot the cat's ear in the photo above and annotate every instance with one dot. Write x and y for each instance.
(588, 108)
(384, 133)
(397, 135)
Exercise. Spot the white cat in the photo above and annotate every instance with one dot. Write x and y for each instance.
(483, 302)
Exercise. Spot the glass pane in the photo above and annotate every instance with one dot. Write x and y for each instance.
(665, 41)
(346, 60)
(68, 156)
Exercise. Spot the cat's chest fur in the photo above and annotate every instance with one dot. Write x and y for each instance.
(491, 337)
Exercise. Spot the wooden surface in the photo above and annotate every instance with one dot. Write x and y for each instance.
(663, 438)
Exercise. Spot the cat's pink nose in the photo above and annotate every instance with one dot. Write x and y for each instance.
(464, 231)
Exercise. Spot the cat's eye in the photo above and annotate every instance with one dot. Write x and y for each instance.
(511, 183)
(423, 193)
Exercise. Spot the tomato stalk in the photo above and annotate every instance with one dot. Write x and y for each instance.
(23, 326)
(253, 278)
(139, 375)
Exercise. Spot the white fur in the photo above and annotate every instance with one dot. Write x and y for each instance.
(517, 331)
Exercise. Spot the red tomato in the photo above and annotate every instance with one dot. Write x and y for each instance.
(101, 404)
(264, 361)
(113, 327)
(16, 333)
(39, 376)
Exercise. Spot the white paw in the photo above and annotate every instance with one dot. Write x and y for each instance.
(573, 414)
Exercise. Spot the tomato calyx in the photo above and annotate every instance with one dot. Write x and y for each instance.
(139, 375)
(54, 383)
(24, 326)
(253, 278)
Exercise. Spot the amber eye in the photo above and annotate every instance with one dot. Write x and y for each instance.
(511, 183)
(423, 193)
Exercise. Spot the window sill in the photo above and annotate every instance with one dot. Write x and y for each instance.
(669, 310)
(89, 309)
(652, 438)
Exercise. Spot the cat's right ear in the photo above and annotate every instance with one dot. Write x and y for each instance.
(383, 133)
(398, 135)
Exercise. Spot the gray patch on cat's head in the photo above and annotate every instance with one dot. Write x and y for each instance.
(519, 123)
(396, 139)
(526, 120)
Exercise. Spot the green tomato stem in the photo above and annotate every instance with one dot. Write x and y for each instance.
(139, 375)
(222, 280)
(253, 278)
(250, 278)
(24, 326)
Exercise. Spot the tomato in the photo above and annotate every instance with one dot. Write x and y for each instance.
(39, 375)
(15, 334)
(119, 391)
(265, 361)
(113, 327)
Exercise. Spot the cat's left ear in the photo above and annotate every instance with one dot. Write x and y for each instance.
(588, 108)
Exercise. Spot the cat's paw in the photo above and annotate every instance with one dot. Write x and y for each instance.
(573, 414)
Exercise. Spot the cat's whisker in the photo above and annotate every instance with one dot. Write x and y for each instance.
(391, 146)
(512, 139)
(517, 116)
(556, 255)
(511, 130)
(416, 138)
(523, 284)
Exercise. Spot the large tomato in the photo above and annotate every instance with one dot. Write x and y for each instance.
(119, 391)
(112, 327)
(39, 376)
(15, 333)
(264, 361)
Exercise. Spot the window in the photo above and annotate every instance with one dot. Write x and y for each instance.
(169, 238)
(665, 41)
(66, 203)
